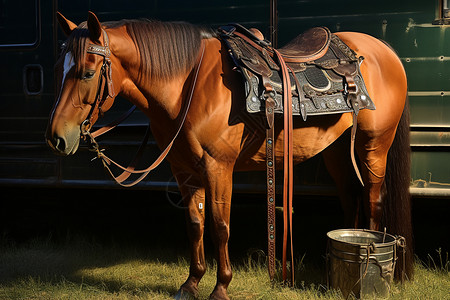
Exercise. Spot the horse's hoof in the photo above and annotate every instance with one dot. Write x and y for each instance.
(185, 295)
(218, 297)
(219, 294)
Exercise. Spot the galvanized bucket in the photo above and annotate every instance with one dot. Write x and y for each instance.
(361, 262)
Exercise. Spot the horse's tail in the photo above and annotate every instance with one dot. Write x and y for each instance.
(396, 196)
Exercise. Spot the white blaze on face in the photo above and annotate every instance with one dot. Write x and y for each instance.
(69, 63)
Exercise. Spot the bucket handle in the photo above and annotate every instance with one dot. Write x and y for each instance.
(369, 248)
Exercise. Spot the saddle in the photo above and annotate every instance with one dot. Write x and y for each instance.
(315, 74)
(327, 75)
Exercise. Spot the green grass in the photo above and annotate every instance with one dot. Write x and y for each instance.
(82, 270)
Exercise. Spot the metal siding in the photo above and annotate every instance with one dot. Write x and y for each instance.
(406, 25)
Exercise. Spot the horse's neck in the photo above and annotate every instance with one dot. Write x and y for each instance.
(155, 97)
(164, 96)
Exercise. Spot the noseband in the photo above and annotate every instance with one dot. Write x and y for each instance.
(105, 86)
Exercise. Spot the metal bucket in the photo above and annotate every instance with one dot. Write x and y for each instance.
(361, 262)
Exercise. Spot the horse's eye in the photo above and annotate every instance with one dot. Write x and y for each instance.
(88, 75)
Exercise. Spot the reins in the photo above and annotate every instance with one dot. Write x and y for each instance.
(288, 165)
(288, 169)
(99, 100)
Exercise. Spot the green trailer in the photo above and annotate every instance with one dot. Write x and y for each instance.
(30, 41)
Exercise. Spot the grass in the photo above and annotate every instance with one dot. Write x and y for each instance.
(84, 270)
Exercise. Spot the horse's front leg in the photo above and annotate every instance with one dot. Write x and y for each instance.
(218, 195)
(193, 194)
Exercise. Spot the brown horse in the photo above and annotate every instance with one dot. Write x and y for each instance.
(154, 64)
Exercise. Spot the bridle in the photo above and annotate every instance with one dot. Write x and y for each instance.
(105, 87)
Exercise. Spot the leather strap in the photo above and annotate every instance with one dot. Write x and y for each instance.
(113, 124)
(105, 87)
(351, 90)
(288, 171)
(301, 96)
(270, 165)
(288, 165)
(352, 148)
(106, 53)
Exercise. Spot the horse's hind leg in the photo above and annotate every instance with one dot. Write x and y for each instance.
(372, 151)
(373, 171)
(194, 200)
(339, 165)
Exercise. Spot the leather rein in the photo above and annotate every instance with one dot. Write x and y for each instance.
(105, 89)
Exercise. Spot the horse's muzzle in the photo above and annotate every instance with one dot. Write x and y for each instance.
(62, 145)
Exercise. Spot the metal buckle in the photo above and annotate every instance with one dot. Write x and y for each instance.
(85, 127)
(87, 136)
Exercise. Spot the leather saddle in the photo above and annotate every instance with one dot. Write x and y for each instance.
(309, 45)
(325, 72)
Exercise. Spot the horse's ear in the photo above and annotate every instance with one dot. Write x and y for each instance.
(94, 27)
(66, 25)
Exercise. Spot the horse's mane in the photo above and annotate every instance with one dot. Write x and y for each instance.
(166, 48)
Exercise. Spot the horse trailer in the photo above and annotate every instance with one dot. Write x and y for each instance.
(30, 42)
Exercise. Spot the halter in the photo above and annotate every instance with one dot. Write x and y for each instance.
(105, 86)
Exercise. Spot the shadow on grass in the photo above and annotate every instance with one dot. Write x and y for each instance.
(118, 269)
(81, 234)
(84, 263)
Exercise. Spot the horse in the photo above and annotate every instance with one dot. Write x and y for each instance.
(160, 67)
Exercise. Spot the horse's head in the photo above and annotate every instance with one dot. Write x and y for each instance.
(84, 87)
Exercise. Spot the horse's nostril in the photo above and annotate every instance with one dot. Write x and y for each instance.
(57, 143)
(60, 143)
